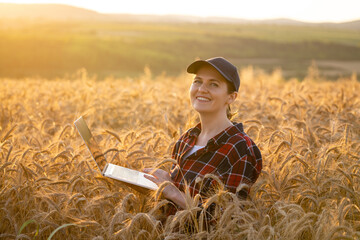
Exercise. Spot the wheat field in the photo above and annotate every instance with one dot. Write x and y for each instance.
(308, 132)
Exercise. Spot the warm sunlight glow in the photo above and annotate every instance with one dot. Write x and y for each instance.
(305, 10)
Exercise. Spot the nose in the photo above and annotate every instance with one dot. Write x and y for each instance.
(202, 88)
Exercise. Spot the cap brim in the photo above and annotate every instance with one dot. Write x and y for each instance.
(194, 67)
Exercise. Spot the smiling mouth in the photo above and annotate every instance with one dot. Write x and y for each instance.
(203, 99)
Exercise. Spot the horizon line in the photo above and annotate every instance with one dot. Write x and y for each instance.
(191, 15)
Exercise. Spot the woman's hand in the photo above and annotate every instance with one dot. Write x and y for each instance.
(159, 176)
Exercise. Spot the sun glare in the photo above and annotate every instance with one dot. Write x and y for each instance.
(306, 10)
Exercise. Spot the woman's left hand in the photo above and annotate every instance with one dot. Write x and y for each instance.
(158, 176)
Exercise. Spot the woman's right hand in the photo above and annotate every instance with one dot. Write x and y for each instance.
(159, 176)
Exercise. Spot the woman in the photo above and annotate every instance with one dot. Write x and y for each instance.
(216, 145)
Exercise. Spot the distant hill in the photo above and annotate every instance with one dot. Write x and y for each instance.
(51, 40)
(46, 11)
(62, 12)
(350, 25)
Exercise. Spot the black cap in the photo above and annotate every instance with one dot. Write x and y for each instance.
(223, 66)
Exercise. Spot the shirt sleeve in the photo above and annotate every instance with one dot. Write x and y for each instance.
(242, 165)
(175, 154)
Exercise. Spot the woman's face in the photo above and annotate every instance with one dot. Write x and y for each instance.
(209, 91)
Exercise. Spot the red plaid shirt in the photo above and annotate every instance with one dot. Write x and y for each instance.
(231, 155)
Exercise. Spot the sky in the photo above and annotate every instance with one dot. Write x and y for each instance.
(302, 10)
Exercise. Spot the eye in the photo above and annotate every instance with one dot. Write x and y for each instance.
(196, 81)
(214, 84)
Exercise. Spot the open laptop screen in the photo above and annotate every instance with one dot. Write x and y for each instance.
(91, 143)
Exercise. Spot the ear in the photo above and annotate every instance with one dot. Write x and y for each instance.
(232, 97)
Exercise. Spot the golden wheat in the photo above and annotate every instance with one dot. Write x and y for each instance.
(308, 132)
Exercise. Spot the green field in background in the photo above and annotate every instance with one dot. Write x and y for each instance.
(51, 49)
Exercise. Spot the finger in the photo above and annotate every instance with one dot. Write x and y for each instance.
(160, 171)
(152, 171)
(147, 170)
(151, 178)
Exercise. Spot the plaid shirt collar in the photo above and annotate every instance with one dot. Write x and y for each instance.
(220, 138)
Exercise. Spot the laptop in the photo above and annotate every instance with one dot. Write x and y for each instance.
(132, 178)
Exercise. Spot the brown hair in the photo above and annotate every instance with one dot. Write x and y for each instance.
(231, 89)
